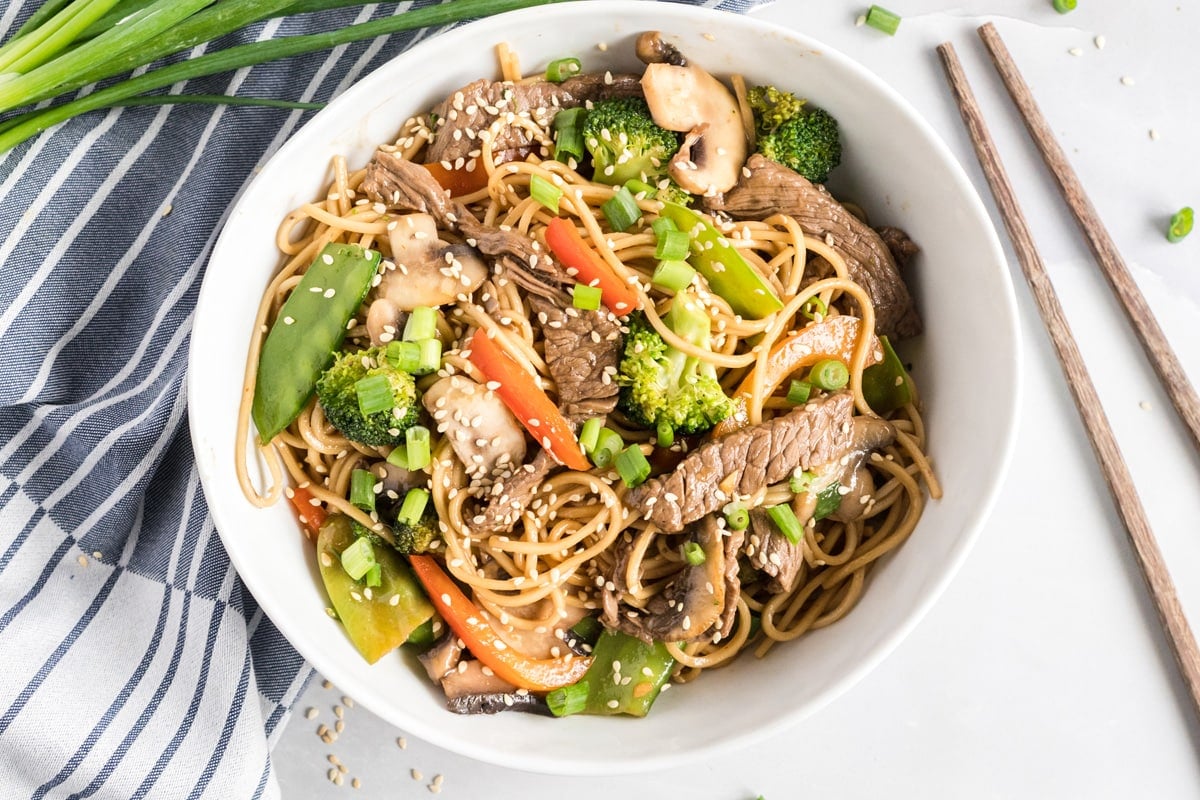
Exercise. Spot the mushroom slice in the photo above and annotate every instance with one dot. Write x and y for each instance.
(483, 432)
(651, 48)
(690, 100)
(429, 271)
(384, 321)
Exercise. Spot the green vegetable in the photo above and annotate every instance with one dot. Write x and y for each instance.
(673, 275)
(421, 324)
(358, 558)
(1064, 6)
(419, 536)
(662, 386)
(828, 500)
(545, 192)
(587, 630)
(337, 393)
(417, 448)
(568, 134)
(209, 24)
(632, 466)
(561, 69)
(728, 273)
(586, 297)
(786, 521)
(648, 666)
(829, 374)
(404, 356)
(886, 385)
(814, 307)
(664, 434)
(737, 518)
(568, 700)
(883, 20)
(608, 445)
(772, 107)
(672, 246)
(309, 328)
(621, 210)
(589, 434)
(423, 636)
(799, 392)
(430, 356)
(362, 489)
(808, 144)
(374, 394)
(373, 622)
(800, 483)
(625, 143)
(693, 554)
(413, 508)
(1181, 224)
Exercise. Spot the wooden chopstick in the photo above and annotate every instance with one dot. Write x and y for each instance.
(1170, 373)
(1108, 454)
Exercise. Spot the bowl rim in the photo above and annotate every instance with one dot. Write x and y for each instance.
(544, 17)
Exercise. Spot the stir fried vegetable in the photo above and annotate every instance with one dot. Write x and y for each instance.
(617, 654)
(569, 247)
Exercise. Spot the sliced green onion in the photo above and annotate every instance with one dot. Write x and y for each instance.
(621, 210)
(422, 324)
(608, 444)
(664, 435)
(638, 187)
(374, 394)
(632, 466)
(568, 700)
(588, 629)
(828, 500)
(883, 20)
(405, 356)
(673, 275)
(590, 433)
(545, 192)
(800, 482)
(662, 224)
(358, 558)
(785, 518)
(429, 358)
(423, 634)
(586, 297)
(399, 456)
(1063, 6)
(374, 576)
(560, 69)
(416, 443)
(829, 374)
(362, 489)
(673, 246)
(693, 553)
(413, 506)
(799, 392)
(737, 518)
(1181, 224)
(814, 307)
(568, 134)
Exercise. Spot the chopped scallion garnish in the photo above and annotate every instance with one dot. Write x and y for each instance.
(621, 210)
(662, 224)
(568, 700)
(416, 443)
(545, 192)
(429, 356)
(737, 518)
(673, 275)
(1181, 224)
(568, 134)
(374, 576)
(673, 245)
(586, 297)
(590, 433)
(358, 558)
(829, 374)
(413, 506)
(664, 436)
(883, 20)
(800, 483)
(1063, 6)
(785, 518)
(799, 392)
(374, 394)
(399, 456)
(814, 307)
(608, 444)
(422, 324)
(362, 489)
(693, 553)
(632, 466)
(404, 356)
(562, 68)
(639, 187)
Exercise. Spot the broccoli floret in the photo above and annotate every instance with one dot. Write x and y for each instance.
(624, 142)
(772, 107)
(808, 144)
(663, 388)
(408, 539)
(339, 398)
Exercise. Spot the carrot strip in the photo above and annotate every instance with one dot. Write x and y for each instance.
(568, 245)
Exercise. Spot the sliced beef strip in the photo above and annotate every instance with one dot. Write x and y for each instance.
(767, 188)
(583, 349)
(506, 504)
(400, 183)
(463, 115)
(733, 582)
(898, 244)
(746, 460)
(773, 553)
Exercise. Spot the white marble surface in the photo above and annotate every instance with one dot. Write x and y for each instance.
(1040, 672)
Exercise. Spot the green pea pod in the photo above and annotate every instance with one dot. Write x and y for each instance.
(886, 385)
(309, 328)
(377, 619)
(637, 695)
(727, 271)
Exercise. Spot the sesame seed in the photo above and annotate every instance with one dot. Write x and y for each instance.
(1076, 51)
(1127, 81)
(1100, 41)
(613, 704)
(311, 713)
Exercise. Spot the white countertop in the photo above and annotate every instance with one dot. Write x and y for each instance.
(1041, 672)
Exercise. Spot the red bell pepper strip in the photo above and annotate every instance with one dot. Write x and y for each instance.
(468, 624)
(311, 514)
(565, 242)
(458, 181)
(527, 402)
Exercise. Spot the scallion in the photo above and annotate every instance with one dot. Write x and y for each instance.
(673, 246)
(621, 210)
(814, 307)
(801, 481)
(362, 489)
(799, 392)
(567, 700)
(829, 374)
(883, 20)
(608, 445)
(416, 445)
(673, 275)
(590, 433)
(568, 134)
(560, 69)
(785, 518)
(586, 297)
(358, 558)
(1064, 6)
(693, 553)
(662, 225)
(664, 435)
(422, 324)
(545, 192)
(374, 576)
(404, 356)
(399, 456)
(1181, 224)
(640, 189)
(737, 518)
(413, 506)
(632, 466)
(374, 394)
(429, 356)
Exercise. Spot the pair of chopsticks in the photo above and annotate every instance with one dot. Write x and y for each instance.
(1166, 365)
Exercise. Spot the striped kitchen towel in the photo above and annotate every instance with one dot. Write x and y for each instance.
(133, 663)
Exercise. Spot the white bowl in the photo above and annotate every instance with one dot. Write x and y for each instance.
(966, 366)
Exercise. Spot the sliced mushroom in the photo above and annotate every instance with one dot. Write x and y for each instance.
(495, 703)
(651, 48)
(384, 321)
(483, 432)
(442, 658)
(690, 100)
(429, 271)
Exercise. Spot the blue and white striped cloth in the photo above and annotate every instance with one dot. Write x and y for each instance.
(133, 662)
